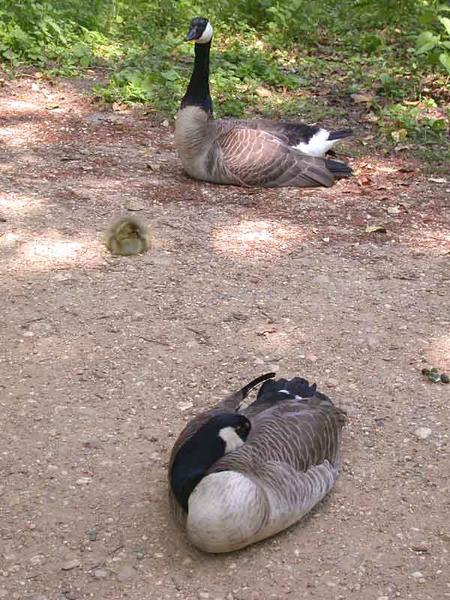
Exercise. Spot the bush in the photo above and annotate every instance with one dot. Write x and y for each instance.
(268, 57)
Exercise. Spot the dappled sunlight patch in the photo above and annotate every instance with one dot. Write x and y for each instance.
(434, 239)
(51, 250)
(8, 239)
(17, 204)
(20, 134)
(19, 105)
(258, 239)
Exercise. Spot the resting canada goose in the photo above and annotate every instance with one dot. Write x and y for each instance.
(239, 476)
(247, 152)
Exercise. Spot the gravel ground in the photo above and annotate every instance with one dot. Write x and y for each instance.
(104, 359)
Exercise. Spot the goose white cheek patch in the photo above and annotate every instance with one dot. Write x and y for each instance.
(231, 439)
(206, 35)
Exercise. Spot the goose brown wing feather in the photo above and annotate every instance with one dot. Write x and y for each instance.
(253, 157)
(298, 434)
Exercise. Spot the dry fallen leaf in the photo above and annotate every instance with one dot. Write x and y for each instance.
(376, 229)
(362, 98)
(263, 92)
(117, 106)
(437, 179)
(399, 135)
(364, 181)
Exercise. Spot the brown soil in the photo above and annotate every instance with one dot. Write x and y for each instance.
(103, 359)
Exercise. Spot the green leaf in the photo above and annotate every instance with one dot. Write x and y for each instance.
(9, 54)
(426, 48)
(445, 60)
(170, 75)
(426, 41)
(446, 23)
(85, 61)
(445, 44)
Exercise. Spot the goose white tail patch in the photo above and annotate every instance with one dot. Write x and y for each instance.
(318, 145)
(231, 439)
(295, 395)
(206, 35)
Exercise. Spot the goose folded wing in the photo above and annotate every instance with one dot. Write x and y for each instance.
(290, 133)
(293, 433)
(253, 157)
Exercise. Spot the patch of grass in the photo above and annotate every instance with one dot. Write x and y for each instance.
(265, 59)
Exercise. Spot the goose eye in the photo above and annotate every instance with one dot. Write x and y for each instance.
(243, 428)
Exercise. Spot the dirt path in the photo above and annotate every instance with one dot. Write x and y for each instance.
(104, 359)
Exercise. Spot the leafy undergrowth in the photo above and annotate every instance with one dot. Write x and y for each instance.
(385, 67)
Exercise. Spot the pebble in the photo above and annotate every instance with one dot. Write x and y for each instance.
(100, 573)
(83, 481)
(34, 597)
(393, 210)
(203, 595)
(417, 574)
(423, 432)
(126, 573)
(184, 405)
(71, 564)
(89, 442)
(383, 598)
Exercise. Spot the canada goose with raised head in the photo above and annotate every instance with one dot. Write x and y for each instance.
(238, 476)
(256, 152)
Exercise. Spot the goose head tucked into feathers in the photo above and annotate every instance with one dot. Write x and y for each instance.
(220, 435)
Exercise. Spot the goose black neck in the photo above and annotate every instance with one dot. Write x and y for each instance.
(191, 464)
(197, 93)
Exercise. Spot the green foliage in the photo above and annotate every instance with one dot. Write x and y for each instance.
(421, 120)
(301, 58)
(435, 45)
